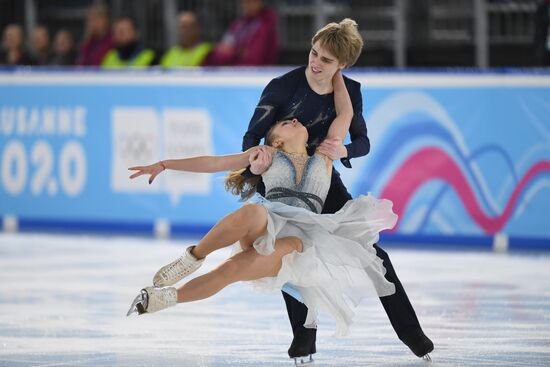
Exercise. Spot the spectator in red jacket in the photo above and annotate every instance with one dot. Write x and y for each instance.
(251, 39)
(98, 40)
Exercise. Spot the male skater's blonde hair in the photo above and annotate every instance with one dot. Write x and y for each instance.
(342, 40)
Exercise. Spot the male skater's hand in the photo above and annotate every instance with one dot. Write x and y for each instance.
(333, 148)
(260, 160)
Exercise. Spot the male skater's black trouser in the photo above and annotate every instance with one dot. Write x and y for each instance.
(397, 306)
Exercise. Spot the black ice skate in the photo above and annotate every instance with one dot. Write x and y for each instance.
(419, 344)
(303, 347)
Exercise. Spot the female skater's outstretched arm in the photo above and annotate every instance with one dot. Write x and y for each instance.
(200, 164)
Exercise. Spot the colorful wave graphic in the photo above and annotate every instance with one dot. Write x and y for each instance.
(433, 163)
(429, 129)
(489, 140)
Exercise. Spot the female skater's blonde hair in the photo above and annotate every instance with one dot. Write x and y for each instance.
(342, 40)
(245, 187)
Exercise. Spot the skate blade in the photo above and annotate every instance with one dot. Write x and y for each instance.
(426, 358)
(137, 305)
(304, 361)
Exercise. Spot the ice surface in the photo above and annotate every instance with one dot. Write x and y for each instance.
(63, 301)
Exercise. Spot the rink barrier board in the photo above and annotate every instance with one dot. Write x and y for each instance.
(175, 230)
(506, 79)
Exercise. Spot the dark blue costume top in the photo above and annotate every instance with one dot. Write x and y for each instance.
(290, 96)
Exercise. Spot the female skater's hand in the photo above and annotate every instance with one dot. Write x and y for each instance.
(260, 159)
(333, 148)
(153, 170)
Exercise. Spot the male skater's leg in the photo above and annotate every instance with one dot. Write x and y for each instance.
(401, 312)
(397, 306)
(303, 343)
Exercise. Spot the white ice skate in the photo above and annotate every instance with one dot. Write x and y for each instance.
(178, 269)
(153, 299)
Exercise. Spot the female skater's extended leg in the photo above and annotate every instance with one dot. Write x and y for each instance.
(247, 265)
(244, 225)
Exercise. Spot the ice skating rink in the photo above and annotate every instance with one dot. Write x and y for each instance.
(63, 301)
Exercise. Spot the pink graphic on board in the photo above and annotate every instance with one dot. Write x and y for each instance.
(432, 163)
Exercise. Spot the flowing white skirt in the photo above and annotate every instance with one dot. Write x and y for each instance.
(338, 265)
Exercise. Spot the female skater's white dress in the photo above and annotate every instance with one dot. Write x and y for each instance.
(338, 265)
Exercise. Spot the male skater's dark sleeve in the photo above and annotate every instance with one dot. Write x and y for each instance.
(264, 114)
(360, 144)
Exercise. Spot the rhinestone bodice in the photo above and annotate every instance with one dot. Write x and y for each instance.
(284, 183)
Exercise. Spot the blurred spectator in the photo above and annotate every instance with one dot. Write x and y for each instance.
(12, 52)
(251, 39)
(97, 40)
(127, 49)
(64, 53)
(542, 33)
(190, 51)
(40, 45)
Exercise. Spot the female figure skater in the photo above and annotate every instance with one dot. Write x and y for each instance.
(284, 238)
